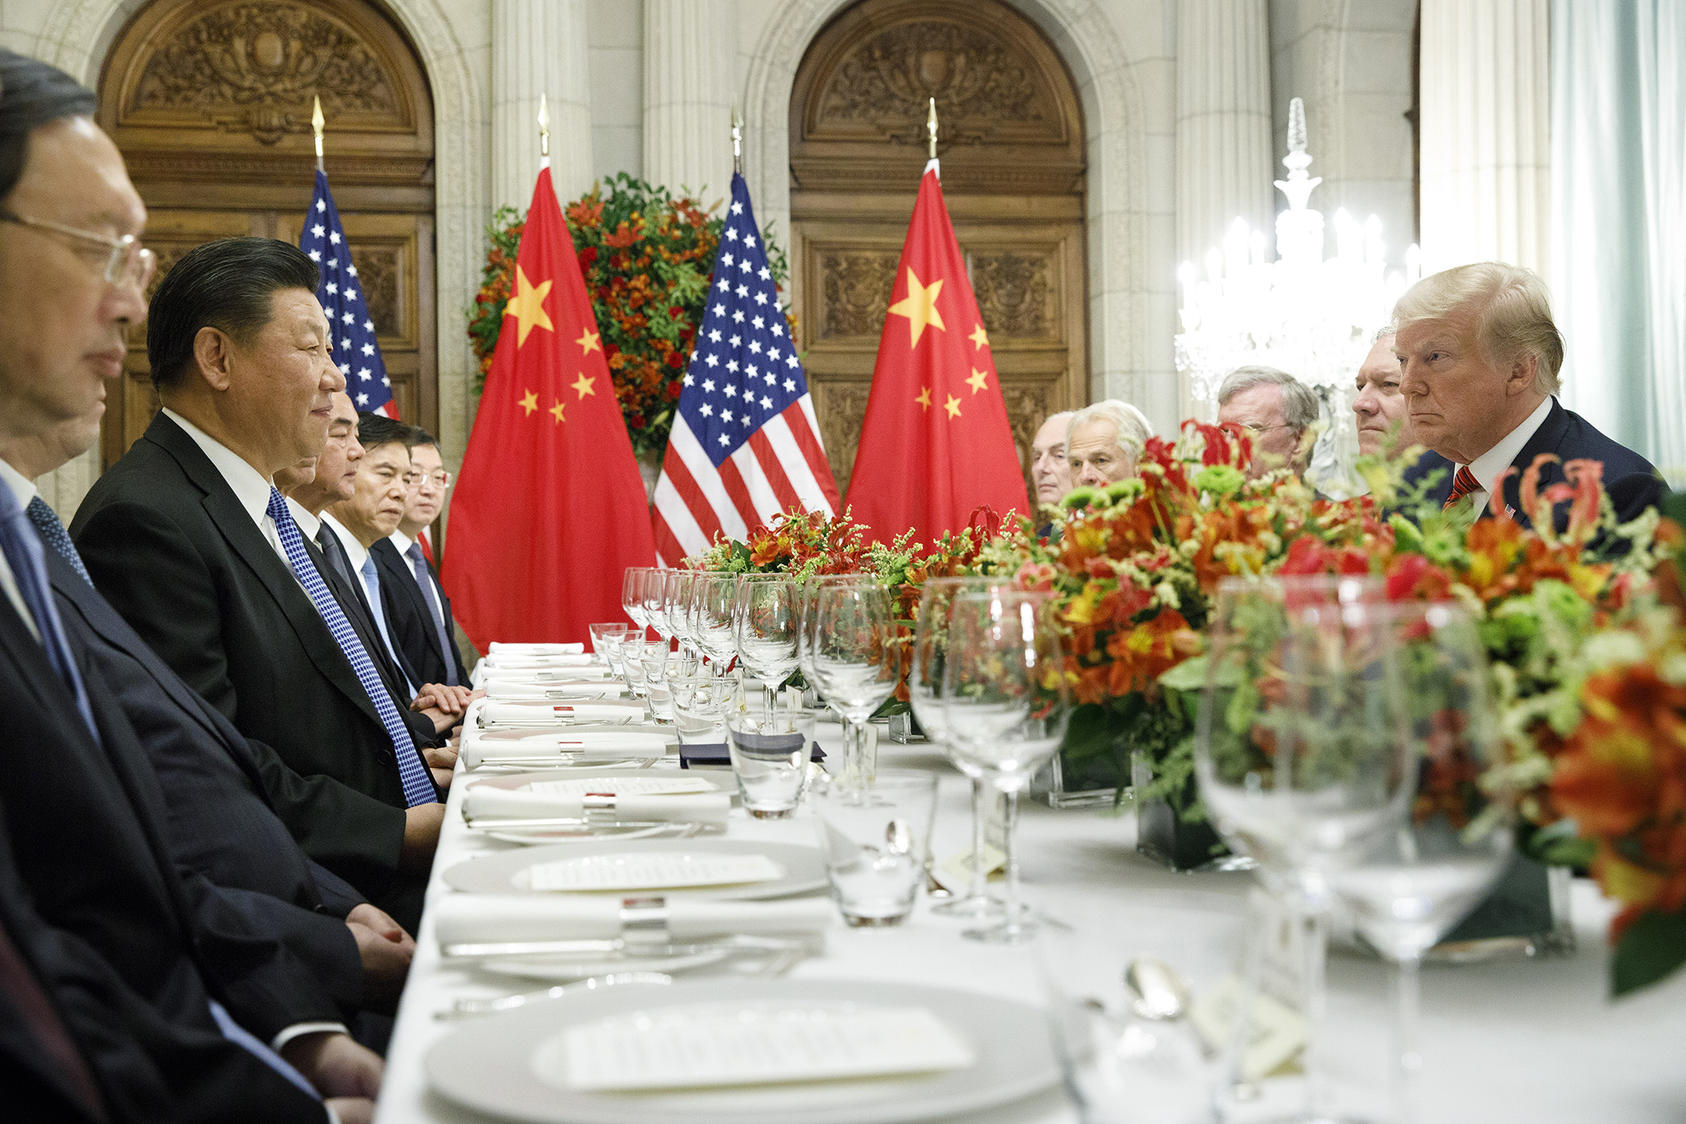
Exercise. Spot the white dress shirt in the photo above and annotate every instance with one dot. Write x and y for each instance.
(1491, 465)
(250, 487)
(357, 554)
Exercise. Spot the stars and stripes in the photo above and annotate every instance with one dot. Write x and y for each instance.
(744, 445)
(354, 345)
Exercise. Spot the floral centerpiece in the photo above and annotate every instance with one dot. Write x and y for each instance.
(646, 258)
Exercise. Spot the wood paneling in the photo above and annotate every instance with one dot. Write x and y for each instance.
(1012, 167)
(209, 100)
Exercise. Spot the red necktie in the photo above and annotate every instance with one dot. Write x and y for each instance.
(1462, 485)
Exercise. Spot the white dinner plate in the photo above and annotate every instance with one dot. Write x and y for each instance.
(492, 1065)
(803, 867)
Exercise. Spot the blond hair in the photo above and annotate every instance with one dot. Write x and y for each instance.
(1512, 311)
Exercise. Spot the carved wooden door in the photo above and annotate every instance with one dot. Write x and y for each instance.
(1010, 142)
(209, 101)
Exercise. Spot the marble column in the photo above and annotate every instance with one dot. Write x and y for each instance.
(539, 46)
(1485, 135)
(690, 83)
(1223, 121)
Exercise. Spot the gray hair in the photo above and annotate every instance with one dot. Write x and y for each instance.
(1511, 307)
(1131, 424)
(1062, 416)
(1386, 331)
(1299, 404)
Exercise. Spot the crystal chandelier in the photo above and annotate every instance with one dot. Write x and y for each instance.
(1311, 316)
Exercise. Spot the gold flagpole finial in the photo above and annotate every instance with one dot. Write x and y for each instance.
(544, 129)
(931, 127)
(317, 121)
(737, 141)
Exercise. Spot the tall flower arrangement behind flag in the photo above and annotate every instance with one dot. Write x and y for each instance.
(745, 444)
(341, 294)
(549, 507)
(936, 444)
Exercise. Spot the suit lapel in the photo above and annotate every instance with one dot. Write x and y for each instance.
(1546, 439)
(402, 581)
(245, 540)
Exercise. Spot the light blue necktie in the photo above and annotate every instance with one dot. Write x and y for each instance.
(418, 786)
(372, 586)
(23, 553)
(418, 561)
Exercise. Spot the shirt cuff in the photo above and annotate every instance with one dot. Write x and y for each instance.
(298, 1030)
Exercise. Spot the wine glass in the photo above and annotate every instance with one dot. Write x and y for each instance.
(847, 649)
(1432, 869)
(656, 603)
(632, 594)
(678, 589)
(765, 620)
(1301, 748)
(930, 649)
(713, 605)
(1006, 705)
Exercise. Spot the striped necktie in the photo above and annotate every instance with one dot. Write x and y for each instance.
(418, 562)
(1462, 485)
(418, 786)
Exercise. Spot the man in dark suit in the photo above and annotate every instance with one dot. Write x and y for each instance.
(419, 611)
(1479, 356)
(187, 536)
(82, 815)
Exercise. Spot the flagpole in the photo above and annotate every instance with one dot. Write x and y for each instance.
(931, 138)
(317, 121)
(544, 132)
(737, 141)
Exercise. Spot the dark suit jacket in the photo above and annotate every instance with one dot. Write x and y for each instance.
(168, 544)
(411, 622)
(219, 824)
(84, 823)
(1631, 481)
(354, 603)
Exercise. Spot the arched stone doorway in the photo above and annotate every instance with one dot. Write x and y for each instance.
(210, 104)
(1012, 150)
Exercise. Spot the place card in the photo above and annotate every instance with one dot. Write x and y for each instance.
(954, 873)
(618, 786)
(651, 870)
(722, 1045)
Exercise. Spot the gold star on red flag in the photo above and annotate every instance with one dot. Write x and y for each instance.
(527, 306)
(979, 337)
(556, 411)
(529, 402)
(924, 398)
(920, 307)
(582, 386)
(977, 380)
(588, 342)
(952, 406)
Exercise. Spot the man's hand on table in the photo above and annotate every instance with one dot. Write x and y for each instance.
(442, 756)
(352, 1110)
(386, 951)
(421, 836)
(336, 1065)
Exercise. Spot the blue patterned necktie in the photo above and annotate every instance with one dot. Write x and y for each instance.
(23, 551)
(418, 562)
(46, 521)
(418, 786)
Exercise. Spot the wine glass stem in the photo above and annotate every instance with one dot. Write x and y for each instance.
(1407, 1013)
(980, 866)
(770, 701)
(1316, 939)
(859, 764)
(1009, 847)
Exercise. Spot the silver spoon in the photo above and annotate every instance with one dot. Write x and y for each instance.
(1162, 996)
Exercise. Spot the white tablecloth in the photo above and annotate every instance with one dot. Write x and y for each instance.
(1519, 1040)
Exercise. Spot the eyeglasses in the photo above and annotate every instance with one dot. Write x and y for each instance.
(1252, 428)
(441, 478)
(127, 261)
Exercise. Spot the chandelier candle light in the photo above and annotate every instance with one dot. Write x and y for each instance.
(1311, 316)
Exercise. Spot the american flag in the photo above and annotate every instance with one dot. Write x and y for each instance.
(355, 348)
(745, 445)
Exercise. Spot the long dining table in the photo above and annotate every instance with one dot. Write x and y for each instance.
(1524, 1039)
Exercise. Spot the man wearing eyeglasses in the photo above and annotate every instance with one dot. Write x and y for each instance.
(147, 987)
(418, 608)
(1278, 410)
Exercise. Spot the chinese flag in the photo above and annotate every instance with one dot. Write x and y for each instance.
(936, 444)
(549, 507)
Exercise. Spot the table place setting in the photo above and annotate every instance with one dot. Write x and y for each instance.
(520, 714)
(588, 745)
(554, 807)
(500, 689)
(715, 868)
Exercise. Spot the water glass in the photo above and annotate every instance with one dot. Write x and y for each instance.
(770, 758)
(601, 630)
(700, 702)
(876, 839)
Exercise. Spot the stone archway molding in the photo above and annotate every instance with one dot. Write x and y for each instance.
(1131, 309)
(78, 36)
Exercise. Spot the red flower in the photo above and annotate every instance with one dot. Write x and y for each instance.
(673, 390)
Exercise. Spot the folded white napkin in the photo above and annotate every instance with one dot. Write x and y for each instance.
(585, 750)
(485, 802)
(519, 713)
(576, 674)
(472, 918)
(506, 689)
(537, 649)
(504, 663)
